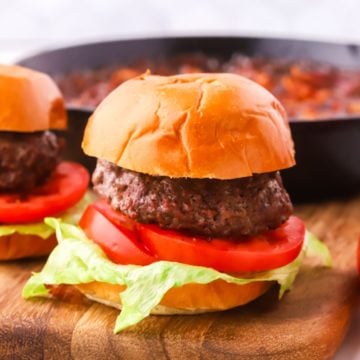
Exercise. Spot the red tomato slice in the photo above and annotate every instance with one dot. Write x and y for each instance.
(262, 252)
(121, 244)
(64, 189)
(116, 217)
(127, 242)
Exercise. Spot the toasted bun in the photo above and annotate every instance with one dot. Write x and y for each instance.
(220, 126)
(188, 299)
(18, 246)
(29, 101)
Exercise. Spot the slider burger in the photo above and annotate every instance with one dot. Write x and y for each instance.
(192, 214)
(33, 182)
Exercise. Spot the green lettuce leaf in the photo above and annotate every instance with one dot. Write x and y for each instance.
(71, 216)
(77, 260)
(318, 249)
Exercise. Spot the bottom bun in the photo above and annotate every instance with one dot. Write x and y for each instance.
(188, 299)
(18, 246)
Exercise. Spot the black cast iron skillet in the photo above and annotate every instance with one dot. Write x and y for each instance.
(327, 150)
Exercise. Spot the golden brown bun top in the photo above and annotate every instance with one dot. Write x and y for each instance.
(29, 101)
(220, 126)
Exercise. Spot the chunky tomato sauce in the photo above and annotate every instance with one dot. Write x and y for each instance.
(307, 89)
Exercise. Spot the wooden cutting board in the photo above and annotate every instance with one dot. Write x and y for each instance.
(309, 323)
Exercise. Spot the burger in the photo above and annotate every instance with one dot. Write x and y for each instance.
(34, 183)
(192, 215)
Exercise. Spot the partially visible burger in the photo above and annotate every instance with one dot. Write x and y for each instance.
(34, 183)
(193, 216)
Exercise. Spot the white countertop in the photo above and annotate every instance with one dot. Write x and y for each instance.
(28, 26)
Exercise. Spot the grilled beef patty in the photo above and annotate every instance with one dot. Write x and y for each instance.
(207, 207)
(27, 159)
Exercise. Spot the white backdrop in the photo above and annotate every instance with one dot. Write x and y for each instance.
(28, 25)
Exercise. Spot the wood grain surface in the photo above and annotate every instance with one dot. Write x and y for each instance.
(308, 323)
